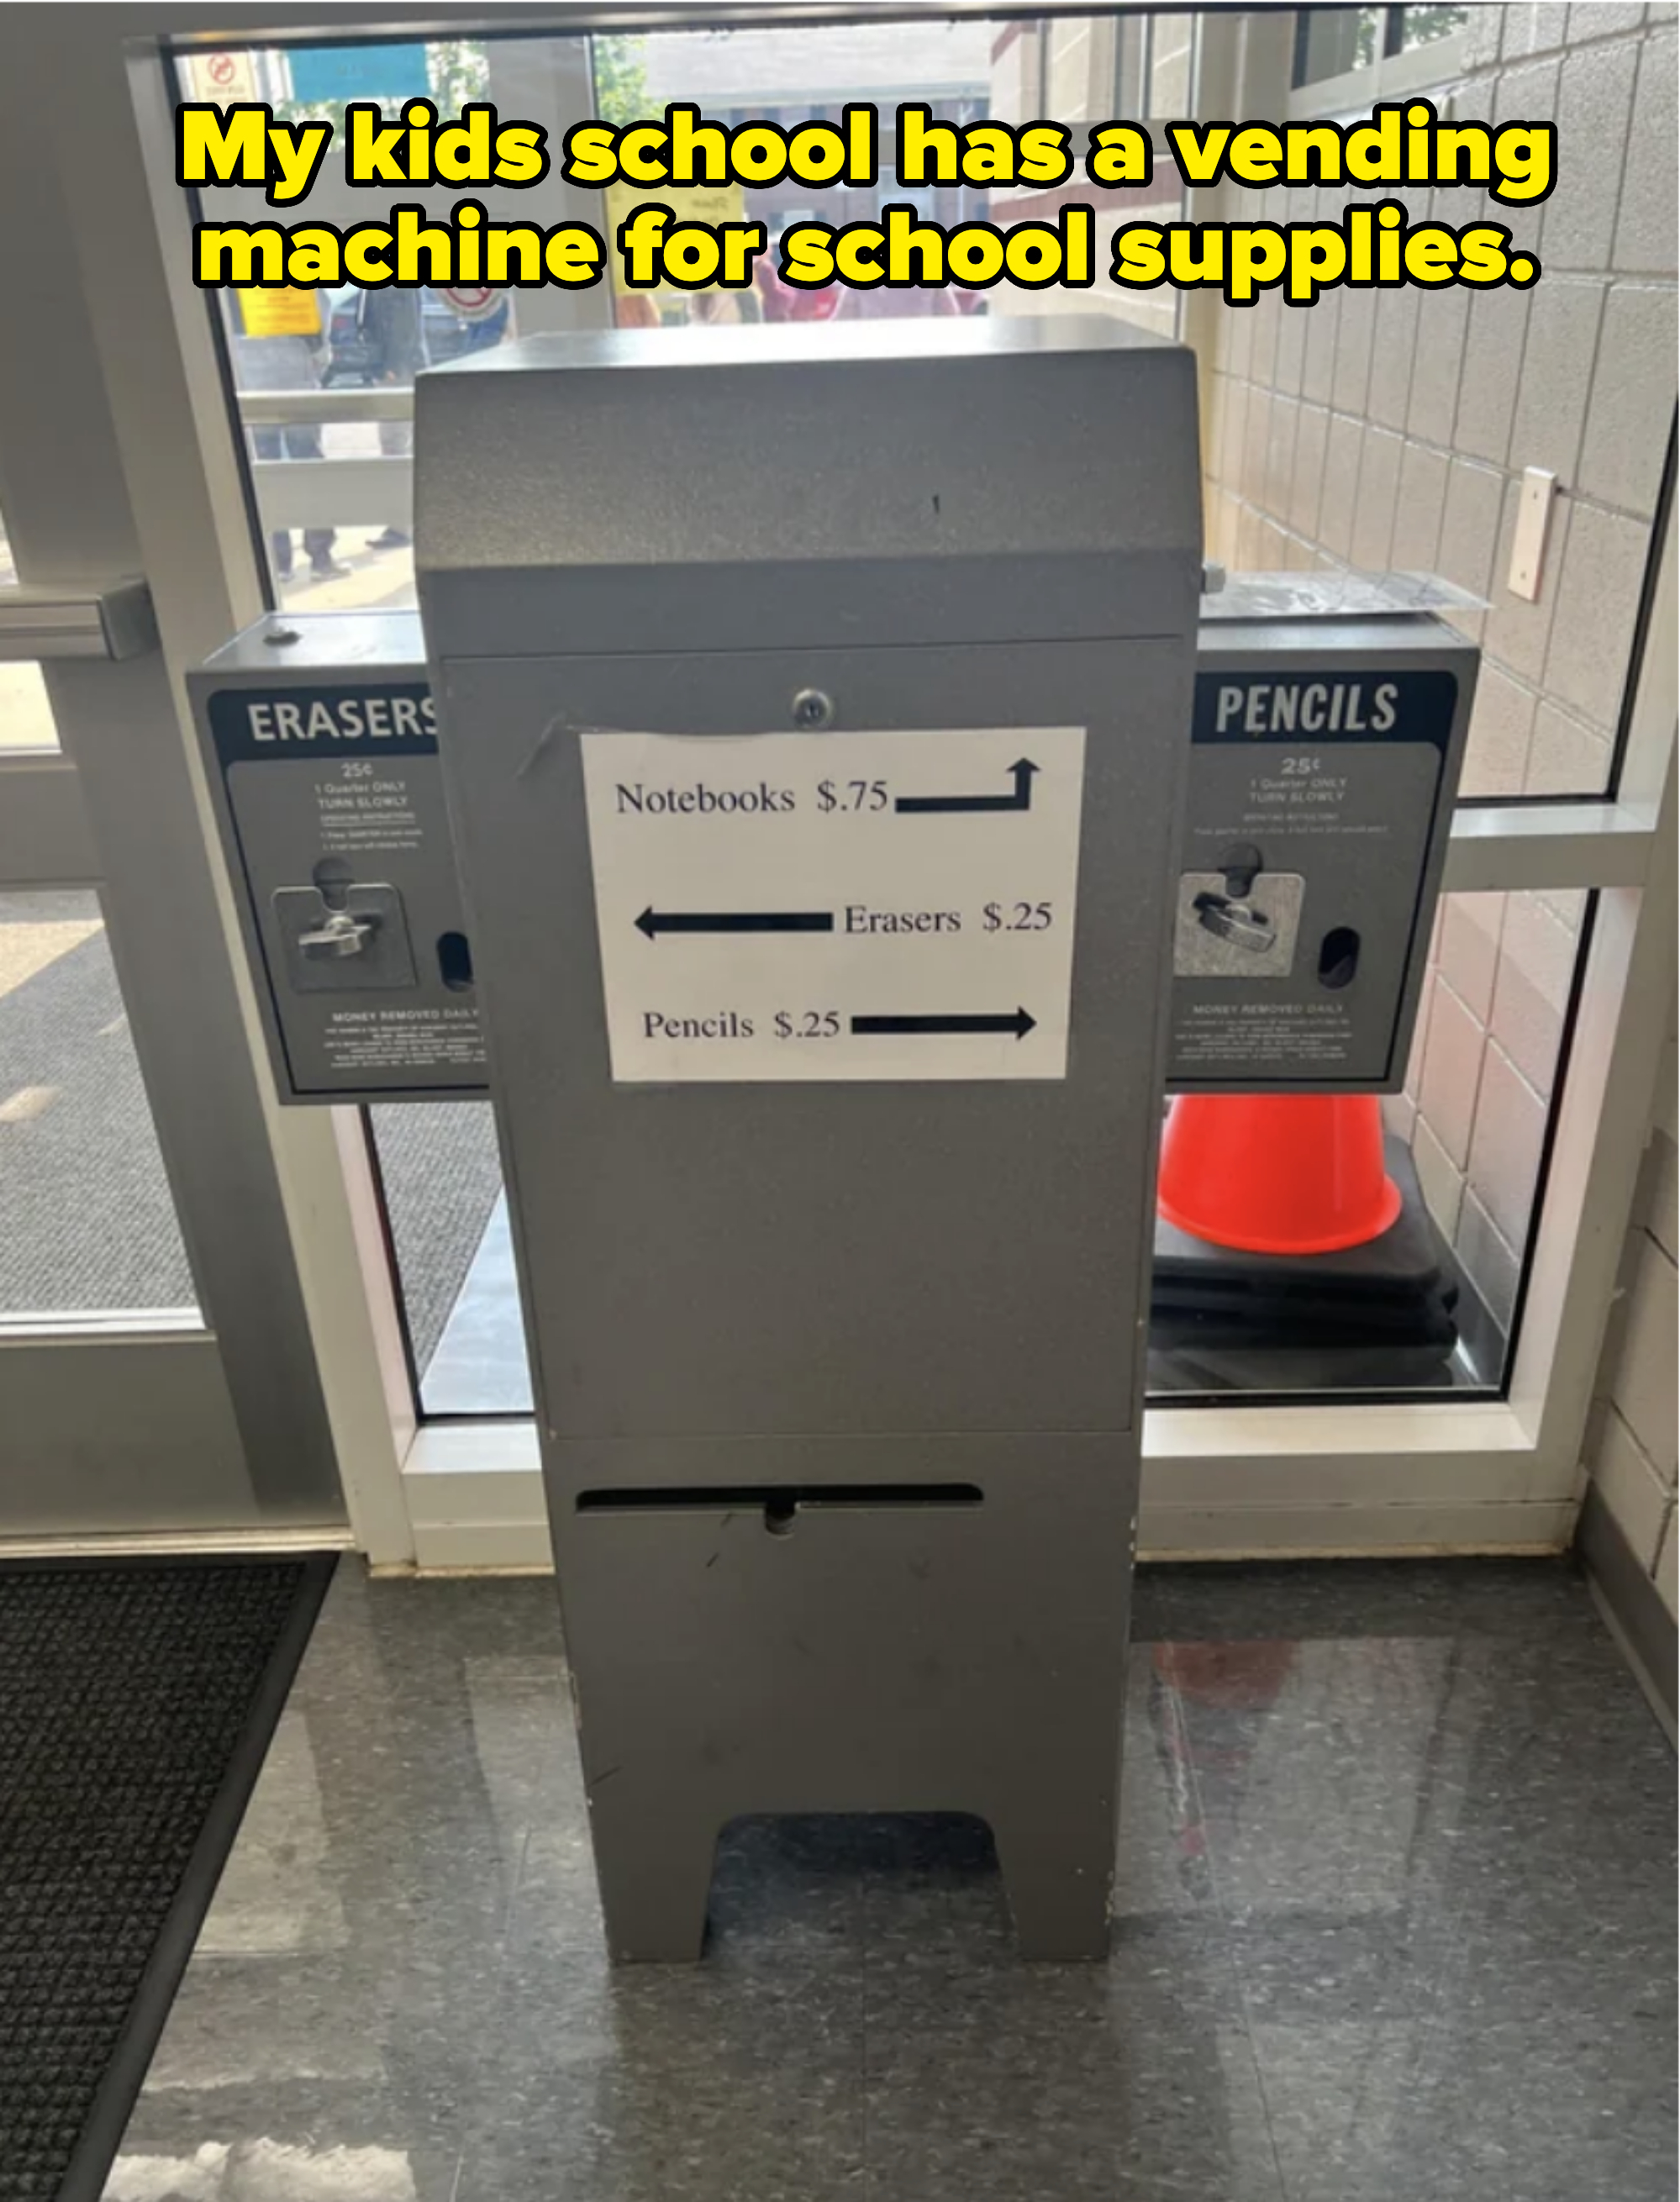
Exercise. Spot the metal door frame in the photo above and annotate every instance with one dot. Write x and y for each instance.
(147, 1428)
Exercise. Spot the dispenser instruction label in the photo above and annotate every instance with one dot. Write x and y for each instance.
(841, 906)
(1313, 806)
(340, 832)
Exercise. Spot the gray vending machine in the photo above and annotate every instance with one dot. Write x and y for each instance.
(814, 708)
(812, 705)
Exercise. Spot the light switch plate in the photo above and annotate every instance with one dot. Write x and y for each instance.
(1528, 541)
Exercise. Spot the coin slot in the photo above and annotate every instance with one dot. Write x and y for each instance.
(455, 961)
(1338, 957)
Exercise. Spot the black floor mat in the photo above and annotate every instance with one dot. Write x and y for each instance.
(135, 1702)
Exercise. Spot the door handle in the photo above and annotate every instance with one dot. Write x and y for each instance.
(114, 621)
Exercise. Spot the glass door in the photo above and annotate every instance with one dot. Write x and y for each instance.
(156, 1376)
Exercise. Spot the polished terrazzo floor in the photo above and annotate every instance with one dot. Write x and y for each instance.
(1396, 1924)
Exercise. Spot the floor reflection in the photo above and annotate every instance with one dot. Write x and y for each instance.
(1394, 1922)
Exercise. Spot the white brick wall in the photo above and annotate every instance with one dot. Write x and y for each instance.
(1631, 1448)
(1378, 430)
(1372, 431)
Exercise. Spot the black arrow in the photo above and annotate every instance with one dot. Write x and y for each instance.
(653, 922)
(1023, 768)
(1017, 1022)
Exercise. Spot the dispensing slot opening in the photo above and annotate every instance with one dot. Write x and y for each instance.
(779, 1502)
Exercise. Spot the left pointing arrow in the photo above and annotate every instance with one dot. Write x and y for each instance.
(653, 922)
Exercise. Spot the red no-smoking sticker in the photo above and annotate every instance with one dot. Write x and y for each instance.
(474, 302)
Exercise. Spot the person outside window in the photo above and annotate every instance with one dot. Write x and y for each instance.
(392, 329)
(278, 343)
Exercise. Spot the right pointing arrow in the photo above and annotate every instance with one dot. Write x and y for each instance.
(1018, 1022)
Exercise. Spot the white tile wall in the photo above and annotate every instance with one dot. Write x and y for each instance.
(1318, 367)
(1489, 1259)
(1469, 524)
(1417, 414)
(1421, 500)
(1631, 1450)
(1598, 600)
(1350, 384)
(1437, 364)
(1492, 361)
(1631, 1489)
(1394, 348)
(1622, 458)
(1378, 493)
(1535, 969)
(1533, 29)
(1307, 486)
(1645, 226)
(1598, 19)
(1341, 483)
(1442, 1184)
(1565, 755)
(1453, 1052)
(1468, 954)
(1281, 453)
(1501, 730)
(1289, 360)
(1557, 374)
(1575, 376)
(1595, 101)
(1504, 1147)
(1639, 1361)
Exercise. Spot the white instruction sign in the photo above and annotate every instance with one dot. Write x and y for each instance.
(836, 906)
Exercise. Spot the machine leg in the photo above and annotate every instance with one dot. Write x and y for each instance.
(655, 1867)
(1058, 1876)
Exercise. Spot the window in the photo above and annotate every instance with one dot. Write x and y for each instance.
(1332, 440)
(322, 387)
(1332, 42)
(327, 376)
(26, 714)
(87, 1221)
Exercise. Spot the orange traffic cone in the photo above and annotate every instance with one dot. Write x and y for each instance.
(1277, 1173)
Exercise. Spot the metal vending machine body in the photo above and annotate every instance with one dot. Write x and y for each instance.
(812, 709)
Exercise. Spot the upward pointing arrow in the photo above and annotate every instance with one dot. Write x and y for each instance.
(1023, 770)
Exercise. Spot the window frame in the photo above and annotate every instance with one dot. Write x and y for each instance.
(1479, 1475)
(1393, 74)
